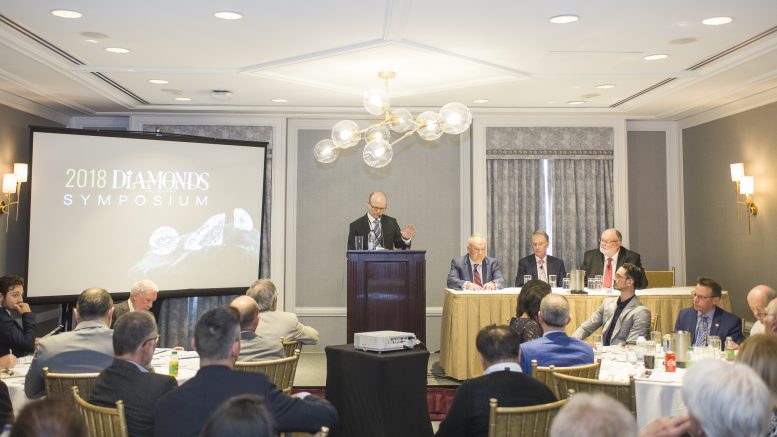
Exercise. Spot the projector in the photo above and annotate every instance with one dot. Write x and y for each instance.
(384, 341)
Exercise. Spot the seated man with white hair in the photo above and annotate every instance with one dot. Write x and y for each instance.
(757, 299)
(142, 297)
(770, 318)
(593, 415)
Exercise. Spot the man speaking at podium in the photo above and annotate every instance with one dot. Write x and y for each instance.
(384, 229)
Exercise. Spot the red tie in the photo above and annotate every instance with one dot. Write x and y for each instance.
(608, 274)
(475, 273)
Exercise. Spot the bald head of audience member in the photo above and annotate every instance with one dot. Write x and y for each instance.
(770, 318)
(240, 416)
(135, 337)
(143, 294)
(758, 298)
(217, 337)
(554, 313)
(94, 304)
(593, 414)
(497, 344)
(248, 309)
(265, 294)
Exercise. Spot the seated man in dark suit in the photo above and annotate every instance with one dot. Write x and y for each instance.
(87, 348)
(608, 258)
(183, 411)
(539, 264)
(498, 350)
(475, 271)
(555, 347)
(383, 229)
(707, 318)
(142, 297)
(252, 346)
(127, 379)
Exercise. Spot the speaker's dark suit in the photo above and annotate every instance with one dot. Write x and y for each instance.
(593, 262)
(461, 272)
(140, 392)
(528, 266)
(389, 228)
(723, 324)
(183, 411)
(19, 340)
(468, 415)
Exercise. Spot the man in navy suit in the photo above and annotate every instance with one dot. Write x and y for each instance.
(475, 271)
(384, 229)
(706, 318)
(555, 347)
(539, 265)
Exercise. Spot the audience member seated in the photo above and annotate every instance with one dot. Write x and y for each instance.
(622, 318)
(475, 271)
(726, 399)
(539, 264)
(240, 416)
(555, 347)
(608, 258)
(87, 348)
(128, 378)
(502, 379)
(6, 407)
(142, 297)
(760, 353)
(49, 418)
(706, 318)
(16, 339)
(253, 347)
(597, 414)
(757, 299)
(183, 411)
(526, 325)
(277, 324)
(770, 318)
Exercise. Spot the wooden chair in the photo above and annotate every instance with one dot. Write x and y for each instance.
(101, 421)
(520, 421)
(543, 374)
(281, 371)
(57, 385)
(660, 278)
(622, 392)
(654, 320)
(289, 346)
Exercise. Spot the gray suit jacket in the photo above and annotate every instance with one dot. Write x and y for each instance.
(461, 272)
(633, 321)
(86, 349)
(277, 324)
(255, 348)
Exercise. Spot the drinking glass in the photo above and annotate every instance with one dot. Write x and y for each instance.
(598, 343)
(655, 336)
(565, 283)
(599, 281)
(591, 283)
(552, 280)
(526, 278)
(358, 242)
(713, 341)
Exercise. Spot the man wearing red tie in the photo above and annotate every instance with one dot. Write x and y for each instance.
(608, 258)
(475, 270)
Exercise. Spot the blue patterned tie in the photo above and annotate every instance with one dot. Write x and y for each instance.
(377, 232)
(701, 331)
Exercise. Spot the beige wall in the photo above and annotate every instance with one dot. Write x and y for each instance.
(717, 244)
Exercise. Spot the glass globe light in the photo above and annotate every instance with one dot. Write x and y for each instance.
(403, 120)
(430, 128)
(326, 151)
(376, 101)
(346, 134)
(377, 153)
(455, 118)
(379, 133)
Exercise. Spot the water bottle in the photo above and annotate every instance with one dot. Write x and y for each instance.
(641, 348)
(172, 369)
(730, 349)
(371, 241)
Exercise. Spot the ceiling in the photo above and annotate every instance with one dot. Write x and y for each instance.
(320, 56)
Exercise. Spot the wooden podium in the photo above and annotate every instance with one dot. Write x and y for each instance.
(387, 291)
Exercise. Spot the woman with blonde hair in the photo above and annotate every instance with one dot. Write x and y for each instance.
(760, 353)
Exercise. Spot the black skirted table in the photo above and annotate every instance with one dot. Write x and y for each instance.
(378, 395)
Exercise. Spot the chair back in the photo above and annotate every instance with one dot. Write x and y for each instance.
(289, 346)
(655, 319)
(101, 421)
(520, 421)
(543, 374)
(660, 278)
(57, 385)
(623, 392)
(281, 371)
(323, 432)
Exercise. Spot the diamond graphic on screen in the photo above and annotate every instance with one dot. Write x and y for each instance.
(211, 233)
(242, 219)
(163, 240)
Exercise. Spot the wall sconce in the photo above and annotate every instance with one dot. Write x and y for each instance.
(746, 187)
(12, 185)
(737, 171)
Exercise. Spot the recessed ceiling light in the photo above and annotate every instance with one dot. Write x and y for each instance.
(480, 101)
(116, 50)
(280, 100)
(183, 99)
(228, 15)
(605, 86)
(564, 19)
(655, 57)
(717, 21)
(158, 81)
(575, 102)
(65, 13)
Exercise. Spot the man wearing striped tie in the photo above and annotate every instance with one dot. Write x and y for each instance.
(707, 318)
(378, 229)
(475, 270)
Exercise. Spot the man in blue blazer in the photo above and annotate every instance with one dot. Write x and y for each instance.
(706, 318)
(475, 271)
(539, 264)
(555, 347)
(385, 229)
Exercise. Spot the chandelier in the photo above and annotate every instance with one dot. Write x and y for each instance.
(453, 118)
